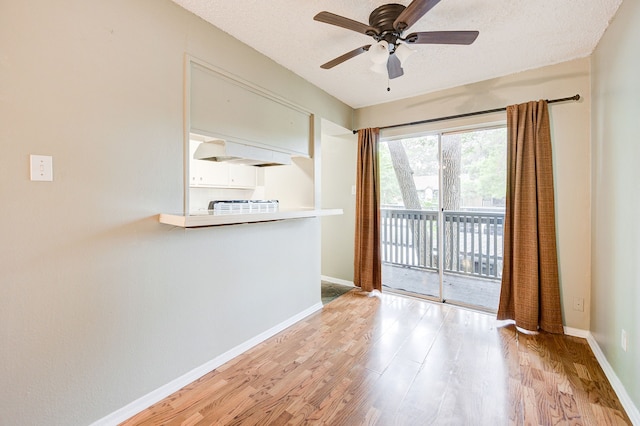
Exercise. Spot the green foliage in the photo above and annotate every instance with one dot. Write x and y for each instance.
(483, 168)
(389, 188)
(484, 164)
(423, 155)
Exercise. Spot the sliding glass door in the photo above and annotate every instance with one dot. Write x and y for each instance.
(410, 185)
(473, 201)
(442, 213)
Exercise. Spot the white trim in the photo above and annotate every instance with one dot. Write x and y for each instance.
(576, 332)
(336, 280)
(164, 391)
(616, 384)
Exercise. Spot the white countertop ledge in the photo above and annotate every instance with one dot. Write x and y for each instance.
(200, 220)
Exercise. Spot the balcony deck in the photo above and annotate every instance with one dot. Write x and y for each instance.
(471, 248)
(457, 289)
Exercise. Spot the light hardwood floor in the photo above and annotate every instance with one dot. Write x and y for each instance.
(393, 360)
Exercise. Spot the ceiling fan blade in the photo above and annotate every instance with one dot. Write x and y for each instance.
(393, 67)
(341, 21)
(442, 37)
(412, 13)
(342, 58)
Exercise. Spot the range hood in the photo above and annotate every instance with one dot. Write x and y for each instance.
(237, 153)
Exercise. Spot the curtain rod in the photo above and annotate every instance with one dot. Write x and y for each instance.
(469, 114)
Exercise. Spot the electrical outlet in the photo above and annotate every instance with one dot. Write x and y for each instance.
(578, 304)
(623, 340)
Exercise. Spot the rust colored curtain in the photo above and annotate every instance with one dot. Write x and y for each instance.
(367, 266)
(530, 293)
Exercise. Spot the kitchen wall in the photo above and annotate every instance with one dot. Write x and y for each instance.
(100, 303)
(615, 251)
(292, 185)
(570, 134)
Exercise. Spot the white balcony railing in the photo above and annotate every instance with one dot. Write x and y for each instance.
(410, 237)
(472, 241)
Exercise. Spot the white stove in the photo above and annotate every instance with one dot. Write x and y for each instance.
(243, 206)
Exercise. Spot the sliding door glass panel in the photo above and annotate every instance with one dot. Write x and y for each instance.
(409, 182)
(473, 202)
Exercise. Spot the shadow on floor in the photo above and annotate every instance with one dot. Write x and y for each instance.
(331, 291)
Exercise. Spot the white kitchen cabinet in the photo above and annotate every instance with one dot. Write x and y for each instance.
(212, 174)
(207, 173)
(226, 107)
(242, 176)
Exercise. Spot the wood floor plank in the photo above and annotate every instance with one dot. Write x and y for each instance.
(393, 360)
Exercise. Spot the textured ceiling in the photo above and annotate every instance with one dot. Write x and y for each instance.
(515, 35)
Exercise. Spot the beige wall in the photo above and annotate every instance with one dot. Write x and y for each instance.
(570, 134)
(616, 196)
(100, 304)
(339, 153)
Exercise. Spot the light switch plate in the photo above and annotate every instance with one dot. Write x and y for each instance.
(42, 168)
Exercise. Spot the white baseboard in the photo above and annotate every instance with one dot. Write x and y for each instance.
(576, 332)
(616, 384)
(164, 391)
(336, 280)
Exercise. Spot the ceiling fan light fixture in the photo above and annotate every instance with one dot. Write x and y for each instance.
(379, 52)
(379, 68)
(403, 52)
(387, 24)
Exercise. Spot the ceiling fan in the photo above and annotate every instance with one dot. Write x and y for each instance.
(387, 25)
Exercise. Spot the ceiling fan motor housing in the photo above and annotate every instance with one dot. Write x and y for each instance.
(382, 19)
